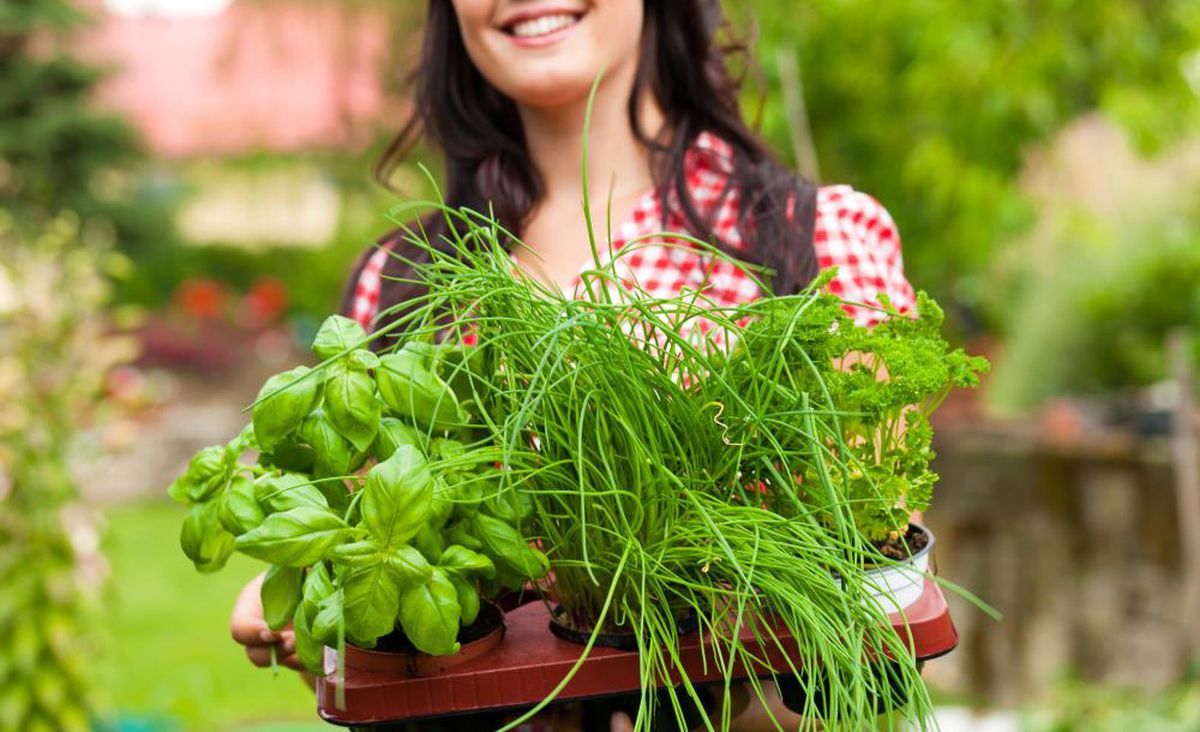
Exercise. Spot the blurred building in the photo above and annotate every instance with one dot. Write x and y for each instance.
(202, 77)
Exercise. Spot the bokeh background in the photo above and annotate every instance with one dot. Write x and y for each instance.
(185, 184)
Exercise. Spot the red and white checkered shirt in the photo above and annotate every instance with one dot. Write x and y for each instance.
(853, 232)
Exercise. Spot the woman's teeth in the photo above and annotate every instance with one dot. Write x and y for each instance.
(542, 26)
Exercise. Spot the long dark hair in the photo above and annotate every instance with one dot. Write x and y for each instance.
(479, 132)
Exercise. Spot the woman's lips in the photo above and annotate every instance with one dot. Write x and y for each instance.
(544, 29)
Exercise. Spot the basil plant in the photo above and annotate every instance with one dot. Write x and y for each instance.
(372, 517)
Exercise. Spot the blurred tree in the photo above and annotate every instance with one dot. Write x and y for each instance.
(929, 105)
(56, 152)
(55, 353)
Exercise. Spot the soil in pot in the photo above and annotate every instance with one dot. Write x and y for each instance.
(903, 547)
(395, 652)
(563, 627)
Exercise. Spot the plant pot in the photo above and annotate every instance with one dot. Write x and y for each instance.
(624, 641)
(395, 655)
(897, 586)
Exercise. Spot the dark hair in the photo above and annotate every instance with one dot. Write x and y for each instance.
(682, 63)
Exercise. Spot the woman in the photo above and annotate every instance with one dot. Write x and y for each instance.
(502, 89)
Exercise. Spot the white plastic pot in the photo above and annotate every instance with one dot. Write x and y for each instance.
(897, 586)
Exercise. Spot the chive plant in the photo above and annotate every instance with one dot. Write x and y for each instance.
(644, 453)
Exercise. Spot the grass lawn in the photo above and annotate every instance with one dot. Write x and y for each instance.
(167, 662)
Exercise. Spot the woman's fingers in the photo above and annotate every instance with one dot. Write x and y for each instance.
(285, 652)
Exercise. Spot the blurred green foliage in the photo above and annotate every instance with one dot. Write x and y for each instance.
(1078, 707)
(930, 105)
(1096, 316)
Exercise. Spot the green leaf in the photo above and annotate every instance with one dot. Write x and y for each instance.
(333, 454)
(398, 498)
(410, 564)
(392, 434)
(325, 622)
(357, 554)
(508, 549)
(289, 455)
(362, 360)
(372, 601)
(317, 586)
(460, 533)
(295, 538)
(279, 493)
(309, 650)
(468, 597)
(204, 540)
(337, 334)
(207, 473)
(283, 403)
(240, 510)
(411, 389)
(429, 542)
(352, 407)
(430, 615)
(462, 561)
(281, 593)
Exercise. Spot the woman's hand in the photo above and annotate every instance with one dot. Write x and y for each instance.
(247, 626)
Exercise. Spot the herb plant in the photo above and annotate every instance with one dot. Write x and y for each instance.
(370, 513)
(629, 436)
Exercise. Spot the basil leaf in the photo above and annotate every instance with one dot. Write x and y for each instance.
(508, 549)
(392, 434)
(279, 493)
(410, 389)
(430, 615)
(447, 449)
(460, 533)
(337, 335)
(356, 555)
(462, 561)
(207, 473)
(362, 360)
(295, 538)
(372, 601)
(325, 622)
(508, 504)
(468, 598)
(280, 595)
(443, 504)
(290, 455)
(240, 511)
(204, 540)
(398, 498)
(429, 543)
(409, 564)
(180, 489)
(309, 650)
(283, 402)
(467, 493)
(317, 586)
(352, 407)
(333, 454)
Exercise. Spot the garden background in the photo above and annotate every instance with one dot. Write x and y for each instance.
(185, 184)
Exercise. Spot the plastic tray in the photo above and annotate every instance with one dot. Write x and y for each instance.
(530, 662)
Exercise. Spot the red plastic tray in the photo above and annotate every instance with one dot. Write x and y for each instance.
(529, 662)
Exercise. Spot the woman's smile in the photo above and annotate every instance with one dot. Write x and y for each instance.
(541, 27)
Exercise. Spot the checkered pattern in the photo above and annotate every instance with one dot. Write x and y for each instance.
(853, 232)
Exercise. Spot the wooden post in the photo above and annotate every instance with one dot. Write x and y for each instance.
(797, 113)
(1186, 452)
